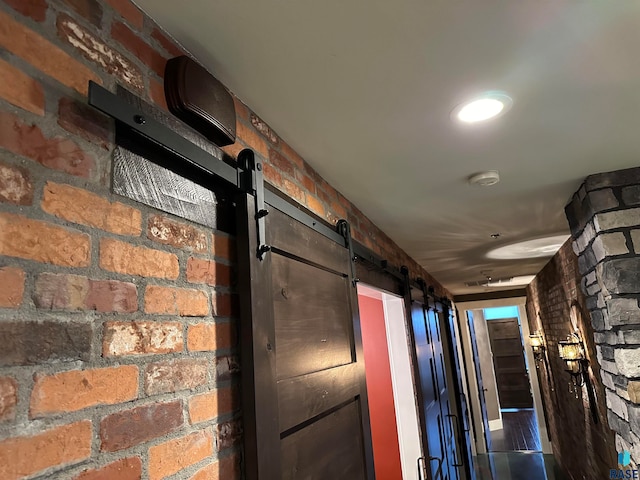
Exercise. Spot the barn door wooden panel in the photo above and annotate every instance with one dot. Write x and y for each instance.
(304, 392)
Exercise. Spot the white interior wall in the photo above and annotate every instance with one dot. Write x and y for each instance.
(535, 386)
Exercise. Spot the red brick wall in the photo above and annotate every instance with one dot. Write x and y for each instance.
(117, 321)
(585, 450)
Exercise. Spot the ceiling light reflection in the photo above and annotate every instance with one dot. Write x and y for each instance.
(540, 247)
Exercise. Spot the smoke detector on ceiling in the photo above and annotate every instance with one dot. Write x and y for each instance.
(485, 179)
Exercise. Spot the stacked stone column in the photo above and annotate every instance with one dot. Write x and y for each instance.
(604, 216)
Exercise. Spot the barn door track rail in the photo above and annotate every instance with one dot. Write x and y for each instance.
(247, 176)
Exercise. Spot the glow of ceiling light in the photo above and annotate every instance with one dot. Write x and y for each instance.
(485, 107)
(540, 247)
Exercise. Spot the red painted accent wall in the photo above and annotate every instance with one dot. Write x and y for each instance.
(384, 430)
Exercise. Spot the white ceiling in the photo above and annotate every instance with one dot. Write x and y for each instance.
(363, 91)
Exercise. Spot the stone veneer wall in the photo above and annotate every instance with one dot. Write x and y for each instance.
(555, 306)
(604, 216)
(117, 321)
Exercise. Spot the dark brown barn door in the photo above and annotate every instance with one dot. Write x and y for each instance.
(512, 378)
(304, 392)
(459, 416)
(439, 436)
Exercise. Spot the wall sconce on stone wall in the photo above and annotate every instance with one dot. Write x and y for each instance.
(573, 353)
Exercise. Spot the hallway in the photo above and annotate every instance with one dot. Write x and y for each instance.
(519, 432)
(517, 466)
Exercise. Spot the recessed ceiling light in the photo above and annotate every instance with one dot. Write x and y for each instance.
(540, 247)
(486, 106)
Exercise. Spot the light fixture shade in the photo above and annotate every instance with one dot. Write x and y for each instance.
(571, 348)
(535, 340)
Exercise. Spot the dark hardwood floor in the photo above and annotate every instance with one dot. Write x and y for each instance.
(519, 432)
(517, 466)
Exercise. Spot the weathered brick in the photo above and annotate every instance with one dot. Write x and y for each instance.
(61, 291)
(228, 434)
(177, 234)
(125, 469)
(306, 182)
(284, 165)
(339, 210)
(175, 455)
(36, 9)
(609, 245)
(23, 456)
(264, 129)
(174, 375)
(315, 206)
(40, 241)
(294, 191)
(128, 428)
(81, 206)
(206, 271)
(621, 275)
(602, 200)
(30, 343)
(168, 44)
(617, 219)
(633, 389)
(292, 155)
(25, 43)
(210, 405)
(252, 139)
(138, 337)
(56, 153)
(628, 361)
(74, 292)
(617, 405)
(619, 425)
(156, 92)
(8, 398)
(272, 176)
(97, 51)
(631, 195)
(78, 389)
(20, 89)
(122, 257)
(89, 9)
(227, 468)
(635, 238)
(80, 119)
(628, 176)
(128, 11)
(224, 304)
(202, 337)
(176, 301)
(11, 287)
(15, 185)
(223, 246)
(140, 49)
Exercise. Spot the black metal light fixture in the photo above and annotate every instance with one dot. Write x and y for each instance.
(572, 353)
(536, 340)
